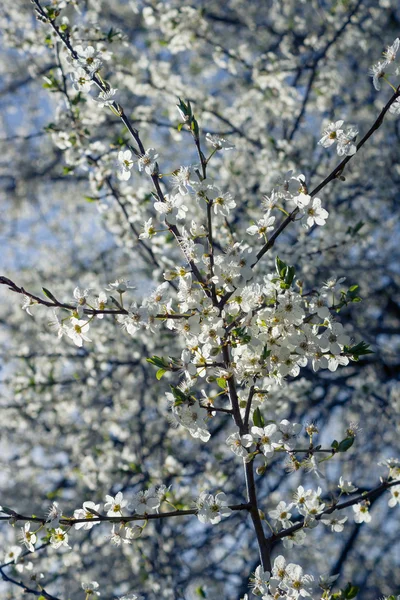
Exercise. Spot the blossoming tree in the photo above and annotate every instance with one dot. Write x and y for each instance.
(186, 426)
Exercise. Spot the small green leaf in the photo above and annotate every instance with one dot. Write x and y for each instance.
(258, 419)
(289, 275)
(160, 373)
(8, 511)
(280, 266)
(345, 444)
(48, 294)
(157, 361)
(221, 382)
(350, 591)
(335, 444)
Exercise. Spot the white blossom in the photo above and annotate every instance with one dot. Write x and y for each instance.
(211, 509)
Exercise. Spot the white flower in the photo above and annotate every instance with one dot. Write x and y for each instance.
(54, 514)
(331, 134)
(325, 581)
(260, 581)
(82, 82)
(106, 98)
(219, 142)
(12, 554)
(281, 514)
(172, 209)
(346, 486)
(88, 58)
(361, 513)
(316, 214)
(120, 286)
(100, 303)
(238, 443)
(320, 306)
(132, 533)
(147, 161)
(298, 583)
(211, 509)
(333, 283)
(334, 338)
(278, 571)
(377, 71)
(84, 513)
(395, 496)
(28, 302)
(27, 537)
(148, 230)
(114, 506)
(268, 438)
(346, 142)
(56, 324)
(80, 297)
(224, 204)
(391, 51)
(145, 502)
(264, 225)
(181, 180)
(77, 331)
(334, 522)
(90, 588)
(124, 164)
(59, 538)
(311, 466)
(289, 432)
(117, 537)
(297, 538)
(302, 200)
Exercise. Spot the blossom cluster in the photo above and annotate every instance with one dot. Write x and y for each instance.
(345, 138)
(384, 67)
(285, 579)
(270, 330)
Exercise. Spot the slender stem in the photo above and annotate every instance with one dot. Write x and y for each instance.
(97, 517)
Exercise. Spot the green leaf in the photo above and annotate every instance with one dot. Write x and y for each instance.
(221, 382)
(258, 419)
(8, 511)
(335, 444)
(157, 361)
(48, 294)
(160, 373)
(350, 591)
(201, 593)
(345, 444)
(280, 266)
(179, 396)
(289, 275)
(360, 349)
